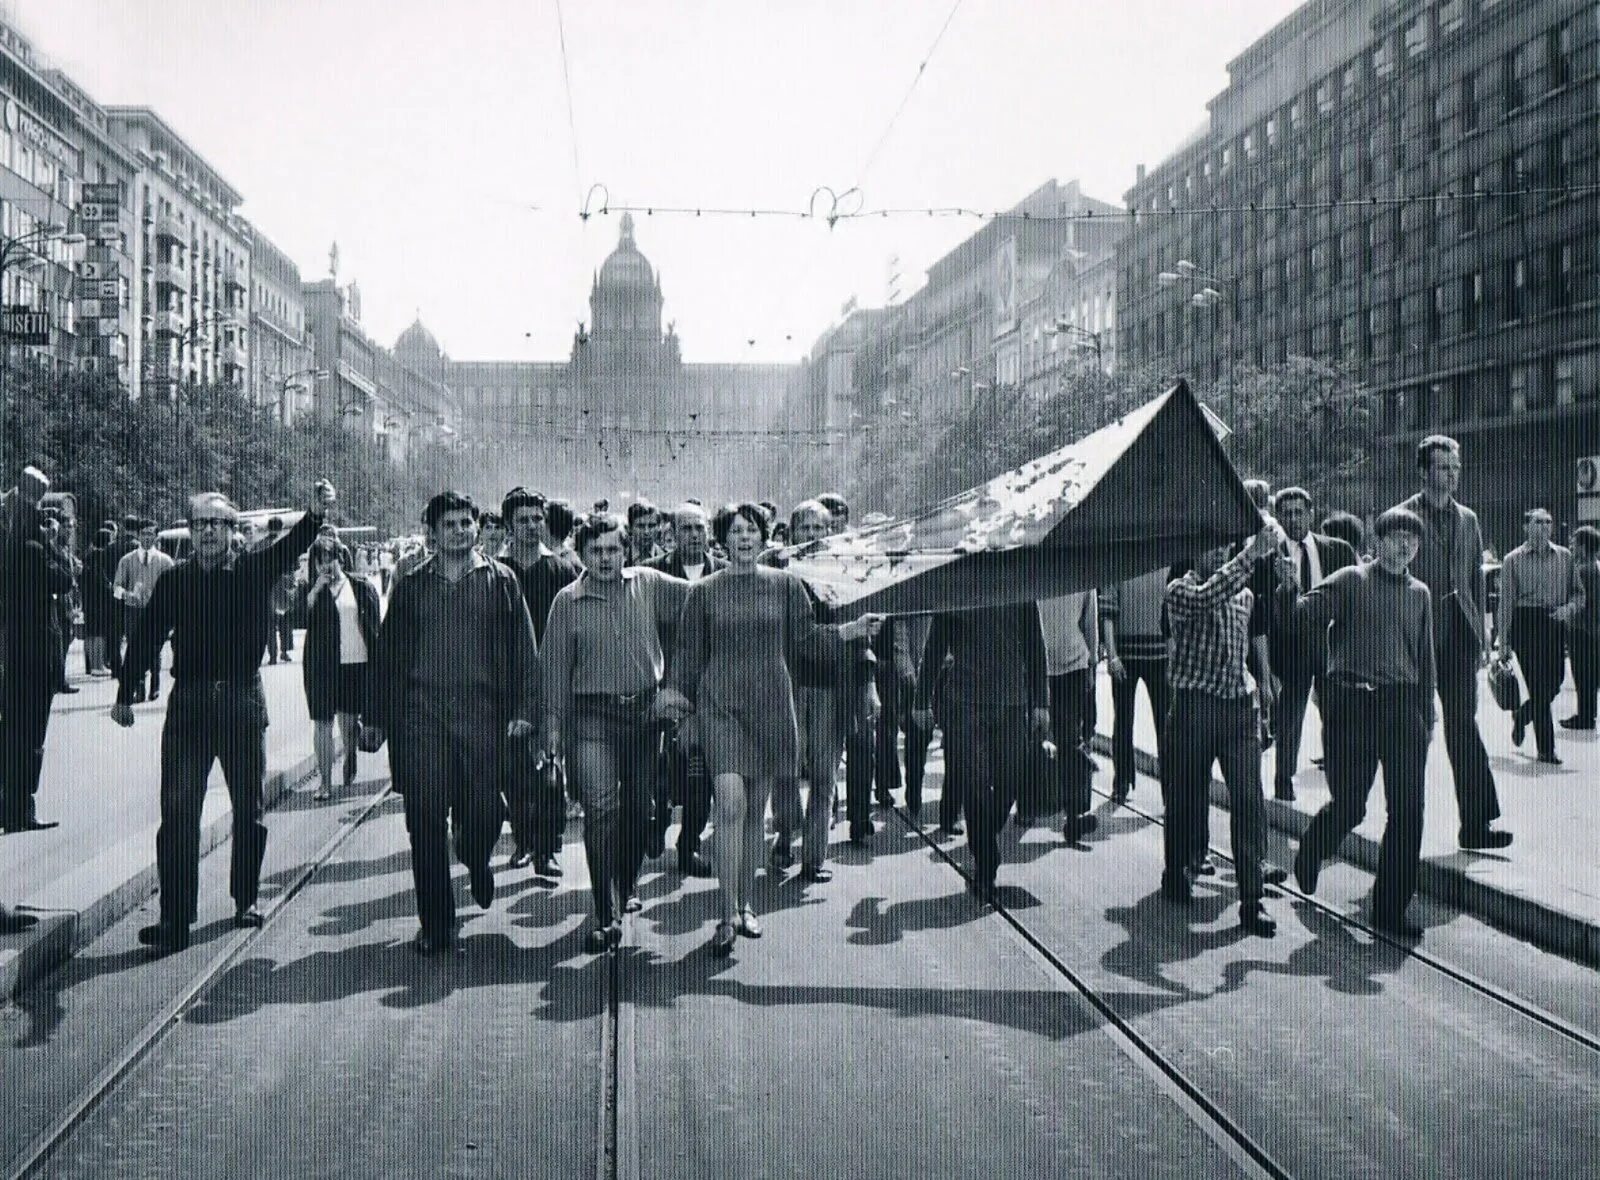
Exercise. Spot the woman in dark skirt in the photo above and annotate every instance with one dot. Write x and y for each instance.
(342, 615)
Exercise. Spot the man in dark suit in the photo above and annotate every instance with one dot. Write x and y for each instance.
(35, 572)
(1299, 658)
(686, 779)
(1450, 564)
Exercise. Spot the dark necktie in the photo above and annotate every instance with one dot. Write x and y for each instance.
(1305, 563)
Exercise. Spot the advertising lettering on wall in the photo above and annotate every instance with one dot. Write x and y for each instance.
(25, 325)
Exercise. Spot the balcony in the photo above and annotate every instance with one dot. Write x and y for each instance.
(232, 355)
(167, 323)
(233, 278)
(171, 274)
(165, 225)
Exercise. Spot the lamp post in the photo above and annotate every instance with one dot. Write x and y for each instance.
(24, 248)
(1083, 338)
(1205, 293)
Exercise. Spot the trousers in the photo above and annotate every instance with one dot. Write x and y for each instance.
(1367, 728)
(687, 783)
(894, 718)
(1585, 650)
(1203, 730)
(210, 722)
(1124, 699)
(1289, 719)
(614, 751)
(1070, 694)
(1540, 646)
(1456, 658)
(986, 754)
(444, 759)
(29, 689)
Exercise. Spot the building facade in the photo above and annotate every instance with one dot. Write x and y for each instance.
(622, 412)
(282, 373)
(63, 173)
(1407, 187)
(192, 252)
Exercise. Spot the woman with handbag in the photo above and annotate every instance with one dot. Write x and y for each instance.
(342, 616)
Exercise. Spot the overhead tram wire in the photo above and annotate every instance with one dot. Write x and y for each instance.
(877, 148)
(836, 214)
(566, 78)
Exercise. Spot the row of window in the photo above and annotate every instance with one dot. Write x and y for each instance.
(1543, 63)
(1561, 276)
(1495, 392)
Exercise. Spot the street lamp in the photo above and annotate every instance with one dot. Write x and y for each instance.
(292, 383)
(1084, 339)
(1205, 294)
(24, 249)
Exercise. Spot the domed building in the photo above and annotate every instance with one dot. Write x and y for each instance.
(622, 413)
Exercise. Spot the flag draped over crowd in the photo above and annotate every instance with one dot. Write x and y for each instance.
(1151, 488)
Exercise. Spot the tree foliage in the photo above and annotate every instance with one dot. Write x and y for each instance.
(1301, 422)
(147, 457)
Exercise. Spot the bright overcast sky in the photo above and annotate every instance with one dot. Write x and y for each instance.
(431, 138)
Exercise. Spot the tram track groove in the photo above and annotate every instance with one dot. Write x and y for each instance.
(1499, 995)
(1229, 1136)
(45, 1146)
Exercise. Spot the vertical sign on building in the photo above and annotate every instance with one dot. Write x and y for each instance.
(99, 288)
(1005, 286)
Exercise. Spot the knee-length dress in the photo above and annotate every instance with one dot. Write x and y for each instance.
(737, 638)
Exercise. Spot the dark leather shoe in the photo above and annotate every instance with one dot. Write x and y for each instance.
(1177, 889)
(1306, 869)
(1203, 867)
(248, 919)
(695, 865)
(137, 698)
(1396, 927)
(1550, 759)
(546, 866)
(1120, 792)
(632, 905)
(430, 944)
(1577, 723)
(1283, 792)
(163, 939)
(1078, 827)
(1255, 920)
(861, 833)
(781, 856)
(33, 824)
(954, 829)
(883, 799)
(597, 941)
(1273, 875)
(982, 890)
(815, 873)
(482, 880)
(68, 689)
(722, 941)
(520, 859)
(155, 694)
(1486, 838)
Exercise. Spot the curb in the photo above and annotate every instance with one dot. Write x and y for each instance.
(1539, 922)
(82, 906)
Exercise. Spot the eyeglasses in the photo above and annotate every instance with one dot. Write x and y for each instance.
(209, 524)
(1540, 520)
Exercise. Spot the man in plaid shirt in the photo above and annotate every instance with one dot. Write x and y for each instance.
(1215, 717)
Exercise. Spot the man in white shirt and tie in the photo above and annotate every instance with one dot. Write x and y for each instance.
(1298, 659)
(135, 582)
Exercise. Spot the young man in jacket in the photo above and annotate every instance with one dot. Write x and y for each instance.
(457, 675)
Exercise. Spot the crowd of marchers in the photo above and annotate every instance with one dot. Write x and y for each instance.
(669, 664)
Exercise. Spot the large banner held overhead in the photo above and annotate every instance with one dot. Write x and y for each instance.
(1151, 488)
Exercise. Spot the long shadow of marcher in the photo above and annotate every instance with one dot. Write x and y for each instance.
(1160, 932)
(1345, 963)
(875, 924)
